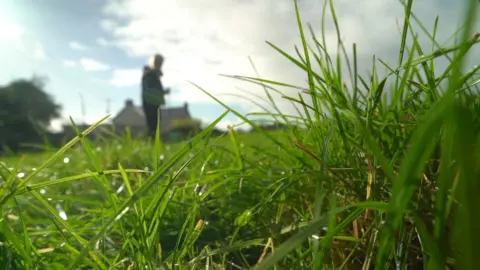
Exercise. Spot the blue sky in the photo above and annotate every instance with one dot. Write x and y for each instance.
(97, 48)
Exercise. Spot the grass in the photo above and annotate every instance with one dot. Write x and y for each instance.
(359, 180)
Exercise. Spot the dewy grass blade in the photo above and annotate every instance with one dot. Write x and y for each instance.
(292, 242)
(267, 135)
(74, 178)
(26, 237)
(422, 144)
(54, 157)
(267, 93)
(15, 242)
(236, 149)
(149, 183)
(79, 239)
(158, 142)
(104, 184)
(311, 82)
(406, 25)
(467, 218)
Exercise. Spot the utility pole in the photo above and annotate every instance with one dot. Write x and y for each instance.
(108, 105)
(82, 105)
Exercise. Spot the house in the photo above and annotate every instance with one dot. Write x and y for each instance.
(133, 117)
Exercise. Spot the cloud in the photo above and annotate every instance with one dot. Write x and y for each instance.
(126, 77)
(39, 52)
(103, 42)
(201, 39)
(69, 63)
(108, 24)
(74, 45)
(10, 31)
(93, 65)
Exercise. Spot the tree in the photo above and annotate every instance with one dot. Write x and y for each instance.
(25, 111)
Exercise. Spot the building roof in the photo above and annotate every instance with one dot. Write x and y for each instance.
(134, 116)
(130, 115)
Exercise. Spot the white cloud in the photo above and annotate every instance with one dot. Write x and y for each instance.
(74, 45)
(39, 52)
(93, 65)
(10, 31)
(69, 63)
(103, 42)
(201, 39)
(108, 25)
(126, 77)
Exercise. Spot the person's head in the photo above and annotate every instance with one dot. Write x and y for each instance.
(155, 62)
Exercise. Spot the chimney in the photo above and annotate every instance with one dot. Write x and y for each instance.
(129, 103)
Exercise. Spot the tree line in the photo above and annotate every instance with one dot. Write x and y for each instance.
(26, 111)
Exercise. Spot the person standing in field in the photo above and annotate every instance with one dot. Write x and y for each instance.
(153, 92)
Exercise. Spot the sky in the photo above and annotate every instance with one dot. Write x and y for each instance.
(94, 50)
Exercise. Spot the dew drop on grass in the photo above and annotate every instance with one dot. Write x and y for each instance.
(98, 149)
(34, 169)
(242, 145)
(63, 215)
(122, 213)
(314, 236)
(21, 175)
(120, 189)
(162, 157)
(240, 184)
(196, 188)
(43, 191)
(66, 160)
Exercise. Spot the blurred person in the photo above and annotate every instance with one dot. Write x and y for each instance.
(153, 92)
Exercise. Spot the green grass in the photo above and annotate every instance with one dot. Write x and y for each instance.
(360, 180)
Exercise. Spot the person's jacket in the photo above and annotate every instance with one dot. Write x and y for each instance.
(152, 88)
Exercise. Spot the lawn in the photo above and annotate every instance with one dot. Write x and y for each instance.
(356, 180)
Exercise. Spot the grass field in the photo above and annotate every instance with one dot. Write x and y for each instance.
(357, 181)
